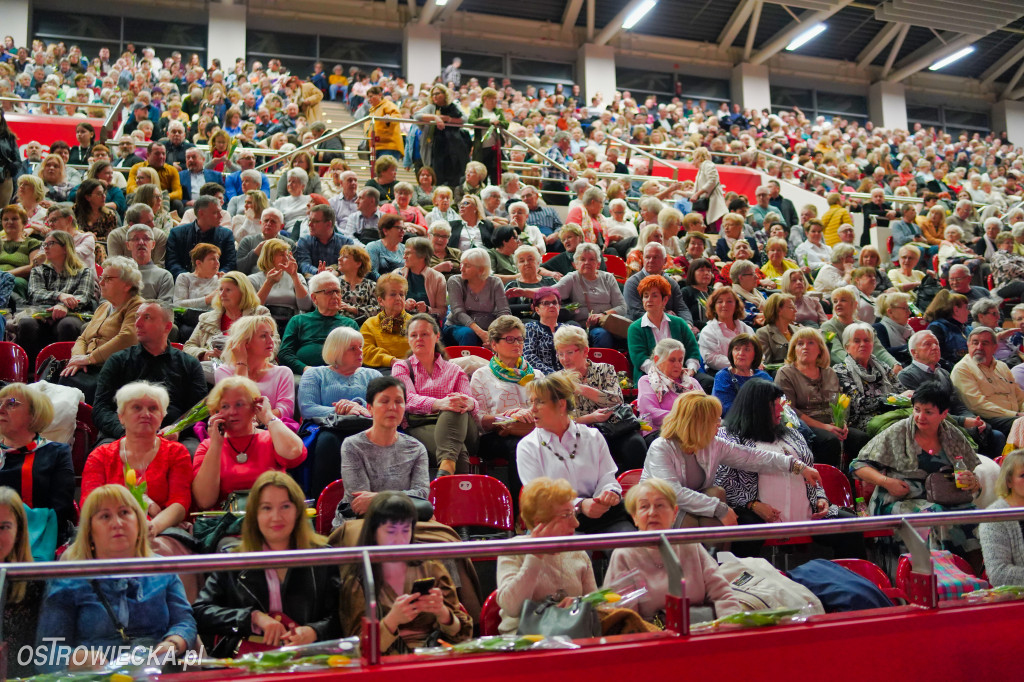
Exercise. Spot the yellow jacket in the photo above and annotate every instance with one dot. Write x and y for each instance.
(388, 134)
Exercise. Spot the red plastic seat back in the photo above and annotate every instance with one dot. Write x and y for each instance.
(866, 569)
(836, 485)
(609, 356)
(84, 438)
(490, 616)
(471, 500)
(628, 479)
(616, 266)
(889, 243)
(60, 350)
(327, 505)
(918, 323)
(13, 362)
(466, 351)
(547, 256)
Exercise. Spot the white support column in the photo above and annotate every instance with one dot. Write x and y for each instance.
(226, 34)
(887, 105)
(1009, 116)
(595, 66)
(17, 18)
(421, 53)
(751, 87)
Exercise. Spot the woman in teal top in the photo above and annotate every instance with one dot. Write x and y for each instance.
(18, 253)
(654, 291)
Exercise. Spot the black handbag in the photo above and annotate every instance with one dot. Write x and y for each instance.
(579, 621)
(621, 422)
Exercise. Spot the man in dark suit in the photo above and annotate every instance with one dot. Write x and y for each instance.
(206, 228)
(195, 176)
(788, 210)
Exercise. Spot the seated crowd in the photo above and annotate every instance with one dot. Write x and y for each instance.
(311, 322)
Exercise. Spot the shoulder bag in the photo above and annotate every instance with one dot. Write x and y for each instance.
(940, 488)
(578, 621)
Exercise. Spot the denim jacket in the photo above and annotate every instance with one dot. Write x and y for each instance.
(152, 607)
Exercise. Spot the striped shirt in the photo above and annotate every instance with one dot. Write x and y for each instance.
(423, 390)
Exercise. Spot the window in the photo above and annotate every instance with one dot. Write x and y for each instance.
(952, 120)
(663, 86)
(522, 72)
(816, 103)
(91, 32)
(298, 52)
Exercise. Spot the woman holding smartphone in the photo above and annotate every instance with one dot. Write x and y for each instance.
(416, 601)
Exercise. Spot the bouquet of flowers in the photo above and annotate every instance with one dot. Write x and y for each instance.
(198, 413)
(135, 487)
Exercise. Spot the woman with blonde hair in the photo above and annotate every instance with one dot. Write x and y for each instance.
(248, 222)
(548, 509)
(250, 351)
(809, 311)
(53, 173)
(236, 298)
(1002, 544)
(113, 526)
(279, 285)
(559, 446)
(689, 451)
(234, 454)
(235, 605)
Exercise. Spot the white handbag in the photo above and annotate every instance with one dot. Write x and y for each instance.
(758, 585)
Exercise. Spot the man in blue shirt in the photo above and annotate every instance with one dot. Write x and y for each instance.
(205, 229)
(322, 244)
(246, 160)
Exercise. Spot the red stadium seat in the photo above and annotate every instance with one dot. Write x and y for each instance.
(836, 485)
(889, 244)
(548, 256)
(13, 362)
(472, 500)
(466, 351)
(866, 569)
(904, 567)
(490, 616)
(628, 479)
(616, 266)
(609, 356)
(918, 323)
(327, 505)
(60, 350)
(178, 345)
(84, 438)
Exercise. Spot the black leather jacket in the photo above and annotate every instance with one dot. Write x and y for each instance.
(309, 596)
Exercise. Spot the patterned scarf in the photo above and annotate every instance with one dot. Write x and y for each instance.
(521, 374)
(392, 325)
(661, 383)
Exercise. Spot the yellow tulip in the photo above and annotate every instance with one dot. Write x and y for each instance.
(131, 478)
(612, 597)
(338, 661)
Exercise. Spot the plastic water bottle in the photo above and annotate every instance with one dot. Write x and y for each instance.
(861, 507)
(959, 472)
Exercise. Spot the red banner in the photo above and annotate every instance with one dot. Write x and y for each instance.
(47, 129)
(737, 179)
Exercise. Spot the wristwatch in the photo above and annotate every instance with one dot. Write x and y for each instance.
(798, 466)
(578, 507)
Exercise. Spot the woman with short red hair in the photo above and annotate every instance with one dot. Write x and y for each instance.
(655, 324)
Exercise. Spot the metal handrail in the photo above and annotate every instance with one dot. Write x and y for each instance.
(350, 555)
(86, 105)
(108, 122)
(309, 145)
(632, 147)
(533, 149)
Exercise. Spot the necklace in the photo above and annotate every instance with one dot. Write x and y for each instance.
(241, 457)
(656, 558)
(575, 447)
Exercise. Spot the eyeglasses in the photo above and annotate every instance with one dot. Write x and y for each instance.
(567, 353)
(546, 304)
(513, 340)
(10, 403)
(564, 516)
(329, 292)
(49, 244)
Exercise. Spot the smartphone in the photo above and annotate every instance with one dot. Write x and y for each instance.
(423, 586)
(220, 427)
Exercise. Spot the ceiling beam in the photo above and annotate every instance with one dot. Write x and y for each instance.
(877, 44)
(392, 6)
(915, 64)
(755, 21)
(571, 14)
(896, 45)
(615, 25)
(993, 72)
(735, 23)
(449, 9)
(428, 12)
(1013, 81)
(786, 35)
(591, 13)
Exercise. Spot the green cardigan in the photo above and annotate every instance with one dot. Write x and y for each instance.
(303, 340)
(641, 342)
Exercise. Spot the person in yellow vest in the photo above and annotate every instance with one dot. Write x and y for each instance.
(388, 134)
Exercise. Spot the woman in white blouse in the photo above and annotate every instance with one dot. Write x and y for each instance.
(837, 273)
(725, 313)
(561, 447)
(596, 292)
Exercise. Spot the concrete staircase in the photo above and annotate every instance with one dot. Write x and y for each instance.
(336, 115)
